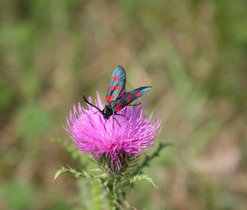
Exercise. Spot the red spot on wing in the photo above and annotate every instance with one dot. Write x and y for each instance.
(109, 99)
(138, 94)
(130, 95)
(115, 78)
(128, 100)
(119, 106)
(117, 87)
(121, 94)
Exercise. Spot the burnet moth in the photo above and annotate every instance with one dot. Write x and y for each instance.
(117, 98)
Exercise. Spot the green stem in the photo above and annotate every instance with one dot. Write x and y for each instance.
(112, 203)
(113, 196)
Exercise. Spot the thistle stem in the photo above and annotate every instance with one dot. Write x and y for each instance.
(114, 200)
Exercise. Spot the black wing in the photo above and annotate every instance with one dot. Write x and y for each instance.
(117, 85)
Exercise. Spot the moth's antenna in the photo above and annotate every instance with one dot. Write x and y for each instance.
(92, 105)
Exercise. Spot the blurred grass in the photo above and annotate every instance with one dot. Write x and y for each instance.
(192, 52)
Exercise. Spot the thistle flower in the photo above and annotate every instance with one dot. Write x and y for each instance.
(102, 138)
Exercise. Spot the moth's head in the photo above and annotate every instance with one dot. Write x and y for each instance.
(107, 112)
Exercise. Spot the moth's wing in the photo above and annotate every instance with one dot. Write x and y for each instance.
(128, 97)
(121, 94)
(117, 85)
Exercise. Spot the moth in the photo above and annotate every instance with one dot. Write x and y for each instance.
(117, 98)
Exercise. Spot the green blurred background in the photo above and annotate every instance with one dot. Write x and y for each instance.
(193, 53)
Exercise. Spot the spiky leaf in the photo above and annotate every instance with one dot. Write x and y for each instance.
(75, 173)
(142, 177)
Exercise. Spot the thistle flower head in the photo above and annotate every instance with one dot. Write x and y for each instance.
(94, 135)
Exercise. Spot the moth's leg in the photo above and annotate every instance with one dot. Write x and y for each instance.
(117, 121)
(122, 115)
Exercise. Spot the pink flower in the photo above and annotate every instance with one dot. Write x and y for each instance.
(94, 135)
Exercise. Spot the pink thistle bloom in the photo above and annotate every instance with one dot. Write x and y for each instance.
(94, 135)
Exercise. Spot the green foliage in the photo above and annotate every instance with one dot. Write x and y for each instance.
(33, 121)
(17, 195)
(7, 100)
